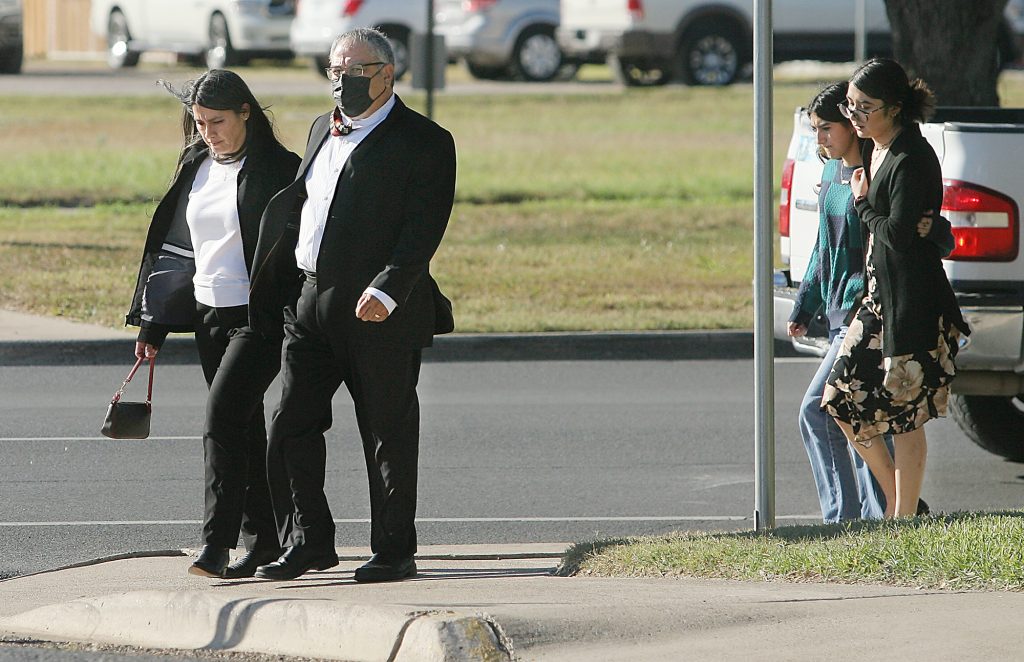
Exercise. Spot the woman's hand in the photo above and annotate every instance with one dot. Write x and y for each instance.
(143, 350)
(796, 330)
(924, 226)
(859, 183)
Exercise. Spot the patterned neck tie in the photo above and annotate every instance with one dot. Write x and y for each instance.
(338, 126)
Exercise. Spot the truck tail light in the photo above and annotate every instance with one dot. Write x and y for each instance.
(473, 6)
(787, 185)
(351, 7)
(985, 222)
(636, 9)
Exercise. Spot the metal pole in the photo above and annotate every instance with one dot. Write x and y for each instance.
(429, 77)
(764, 241)
(860, 32)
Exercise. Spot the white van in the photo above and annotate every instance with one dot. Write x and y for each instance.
(319, 22)
(217, 33)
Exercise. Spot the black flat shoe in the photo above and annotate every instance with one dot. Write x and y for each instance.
(382, 569)
(211, 562)
(922, 508)
(247, 564)
(297, 561)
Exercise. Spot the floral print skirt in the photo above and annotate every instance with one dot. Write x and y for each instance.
(879, 394)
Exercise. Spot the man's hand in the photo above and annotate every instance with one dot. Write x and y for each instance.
(370, 309)
(796, 330)
(143, 350)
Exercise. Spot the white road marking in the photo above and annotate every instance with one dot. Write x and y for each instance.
(98, 439)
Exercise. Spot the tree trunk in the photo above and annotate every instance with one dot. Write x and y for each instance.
(952, 45)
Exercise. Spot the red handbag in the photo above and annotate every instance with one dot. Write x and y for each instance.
(129, 420)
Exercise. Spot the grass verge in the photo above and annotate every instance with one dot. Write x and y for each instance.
(978, 551)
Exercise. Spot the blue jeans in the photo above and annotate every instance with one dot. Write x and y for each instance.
(845, 493)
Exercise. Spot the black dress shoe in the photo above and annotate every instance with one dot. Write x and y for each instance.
(382, 569)
(297, 561)
(247, 564)
(922, 508)
(211, 562)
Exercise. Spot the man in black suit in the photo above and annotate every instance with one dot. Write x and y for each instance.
(344, 252)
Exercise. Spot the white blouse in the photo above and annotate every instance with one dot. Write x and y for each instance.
(221, 279)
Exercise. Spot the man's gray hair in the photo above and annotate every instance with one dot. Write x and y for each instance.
(373, 38)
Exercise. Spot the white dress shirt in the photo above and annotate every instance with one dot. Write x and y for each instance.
(321, 183)
(221, 279)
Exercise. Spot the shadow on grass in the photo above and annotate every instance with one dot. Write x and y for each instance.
(578, 553)
(105, 248)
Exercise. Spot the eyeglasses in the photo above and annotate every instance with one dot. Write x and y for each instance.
(851, 113)
(335, 73)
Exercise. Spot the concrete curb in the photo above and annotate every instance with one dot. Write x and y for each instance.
(301, 627)
(590, 346)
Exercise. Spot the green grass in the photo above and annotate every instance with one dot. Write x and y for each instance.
(621, 210)
(983, 551)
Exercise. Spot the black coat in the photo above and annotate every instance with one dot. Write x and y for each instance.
(267, 169)
(389, 213)
(913, 290)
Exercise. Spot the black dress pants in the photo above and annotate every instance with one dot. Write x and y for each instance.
(239, 365)
(382, 382)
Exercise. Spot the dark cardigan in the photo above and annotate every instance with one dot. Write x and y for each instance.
(267, 169)
(913, 290)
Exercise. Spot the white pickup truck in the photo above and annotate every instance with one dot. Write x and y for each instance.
(984, 193)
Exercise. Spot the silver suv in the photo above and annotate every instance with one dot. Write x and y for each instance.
(503, 38)
(10, 36)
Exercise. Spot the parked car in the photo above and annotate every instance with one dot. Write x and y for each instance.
(10, 37)
(319, 22)
(710, 42)
(217, 33)
(978, 149)
(503, 38)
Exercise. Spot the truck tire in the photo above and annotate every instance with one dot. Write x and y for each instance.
(219, 52)
(637, 73)
(399, 38)
(483, 72)
(11, 60)
(118, 38)
(709, 54)
(996, 423)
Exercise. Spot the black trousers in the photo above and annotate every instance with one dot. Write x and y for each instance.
(239, 365)
(382, 382)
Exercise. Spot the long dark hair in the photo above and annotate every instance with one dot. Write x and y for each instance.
(882, 78)
(826, 106)
(220, 89)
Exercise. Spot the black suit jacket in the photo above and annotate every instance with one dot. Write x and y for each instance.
(912, 287)
(389, 213)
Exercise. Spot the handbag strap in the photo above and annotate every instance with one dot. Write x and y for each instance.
(131, 373)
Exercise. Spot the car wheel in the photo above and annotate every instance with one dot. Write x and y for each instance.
(10, 60)
(219, 52)
(118, 38)
(996, 423)
(482, 72)
(709, 55)
(638, 73)
(536, 55)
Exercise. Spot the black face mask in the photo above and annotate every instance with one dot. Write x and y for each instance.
(352, 94)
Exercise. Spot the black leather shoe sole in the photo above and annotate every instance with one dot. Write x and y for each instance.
(385, 573)
(285, 571)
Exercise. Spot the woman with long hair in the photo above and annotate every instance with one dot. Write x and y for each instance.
(894, 367)
(194, 278)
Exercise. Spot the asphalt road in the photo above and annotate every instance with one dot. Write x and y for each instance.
(511, 452)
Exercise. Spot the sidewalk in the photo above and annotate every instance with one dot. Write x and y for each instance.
(477, 602)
